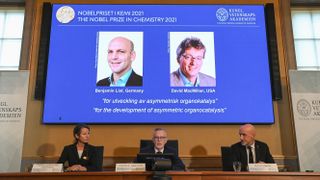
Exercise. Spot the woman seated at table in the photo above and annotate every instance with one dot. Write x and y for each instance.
(80, 156)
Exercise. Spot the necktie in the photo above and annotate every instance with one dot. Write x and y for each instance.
(250, 154)
(159, 152)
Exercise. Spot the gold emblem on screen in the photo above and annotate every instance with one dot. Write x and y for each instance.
(65, 14)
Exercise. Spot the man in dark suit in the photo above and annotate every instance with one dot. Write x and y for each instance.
(121, 54)
(249, 150)
(159, 146)
(134, 80)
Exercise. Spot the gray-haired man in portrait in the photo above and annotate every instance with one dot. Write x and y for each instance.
(190, 56)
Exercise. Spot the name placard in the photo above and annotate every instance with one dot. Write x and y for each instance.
(129, 167)
(261, 167)
(56, 167)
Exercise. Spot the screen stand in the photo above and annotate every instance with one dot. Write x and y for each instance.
(160, 175)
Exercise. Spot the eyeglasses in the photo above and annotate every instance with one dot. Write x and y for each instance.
(188, 57)
(161, 138)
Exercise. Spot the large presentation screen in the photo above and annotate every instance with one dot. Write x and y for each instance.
(153, 64)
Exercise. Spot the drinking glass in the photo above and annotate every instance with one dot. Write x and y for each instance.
(237, 166)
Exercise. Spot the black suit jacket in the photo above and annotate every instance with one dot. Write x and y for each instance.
(262, 152)
(134, 80)
(88, 157)
(177, 163)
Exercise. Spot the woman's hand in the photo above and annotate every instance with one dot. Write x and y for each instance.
(77, 167)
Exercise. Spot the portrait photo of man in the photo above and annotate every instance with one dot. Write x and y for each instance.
(191, 57)
(120, 57)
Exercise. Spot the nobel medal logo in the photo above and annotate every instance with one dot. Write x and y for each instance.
(304, 107)
(65, 14)
(222, 14)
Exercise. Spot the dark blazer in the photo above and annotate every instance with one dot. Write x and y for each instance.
(134, 80)
(177, 163)
(262, 152)
(88, 157)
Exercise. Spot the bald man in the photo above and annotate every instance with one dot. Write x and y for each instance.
(259, 150)
(121, 54)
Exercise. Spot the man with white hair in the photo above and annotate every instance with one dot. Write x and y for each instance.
(160, 139)
(250, 150)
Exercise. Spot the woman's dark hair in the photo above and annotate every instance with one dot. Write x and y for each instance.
(77, 130)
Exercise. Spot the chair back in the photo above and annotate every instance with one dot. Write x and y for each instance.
(227, 159)
(99, 152)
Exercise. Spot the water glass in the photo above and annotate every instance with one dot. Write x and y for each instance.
(237, 166)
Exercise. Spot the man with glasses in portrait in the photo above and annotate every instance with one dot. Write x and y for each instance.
(160, 139)
(190, 56)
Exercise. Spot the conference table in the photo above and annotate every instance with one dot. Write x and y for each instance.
(192, 175)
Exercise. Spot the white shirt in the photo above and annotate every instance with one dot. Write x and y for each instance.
(80, 153)
(156, 150)
(253, 153)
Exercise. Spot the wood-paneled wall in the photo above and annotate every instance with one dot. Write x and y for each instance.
(123, 140)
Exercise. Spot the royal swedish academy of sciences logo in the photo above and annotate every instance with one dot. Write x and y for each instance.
(222, 14)
(303, 107)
